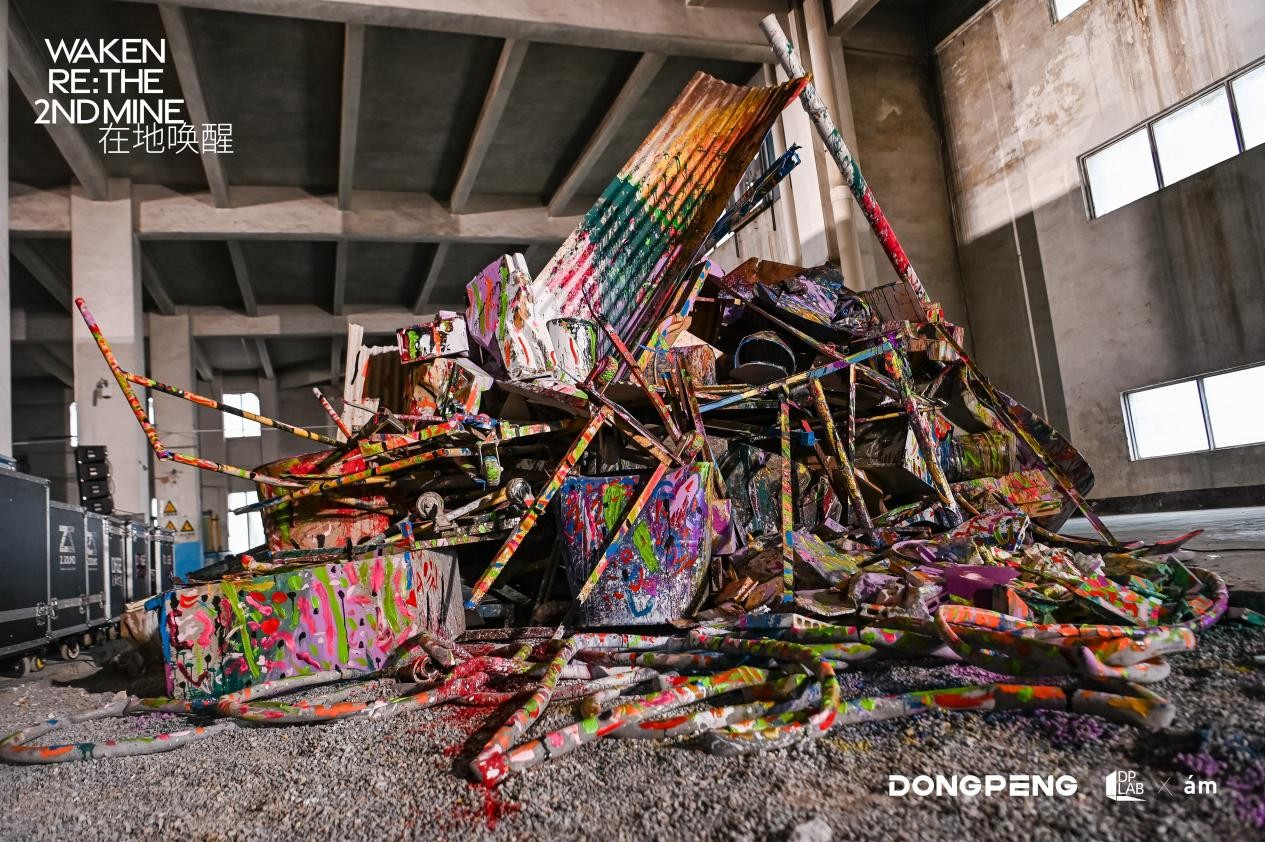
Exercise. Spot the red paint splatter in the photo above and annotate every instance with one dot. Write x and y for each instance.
(270, 626)
(495, 807)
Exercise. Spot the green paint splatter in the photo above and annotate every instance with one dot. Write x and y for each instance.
(248, 648)
(336, 606)
(645, 546)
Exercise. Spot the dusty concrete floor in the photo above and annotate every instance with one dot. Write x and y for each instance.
(1233, 538)
(400, 779)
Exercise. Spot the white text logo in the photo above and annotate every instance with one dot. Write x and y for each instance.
(953, 786)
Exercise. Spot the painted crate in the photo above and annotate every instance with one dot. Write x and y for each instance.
(225, 635)
(659, 565)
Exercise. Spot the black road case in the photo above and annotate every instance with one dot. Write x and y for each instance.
(164, 558)
(94, 553)
(139, 565)
(117, 567)
(67, 571)
(23, 562)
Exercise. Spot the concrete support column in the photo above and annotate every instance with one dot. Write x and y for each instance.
(816, 235)
(825, 212)
(178, 488)
(825, 62)
(105, 272)
(6, 332)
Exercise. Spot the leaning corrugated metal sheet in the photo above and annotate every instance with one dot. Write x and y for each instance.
(642, 234)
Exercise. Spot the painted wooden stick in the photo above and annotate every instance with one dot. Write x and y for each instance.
(621, 348)
(797, 379)
(1020, 429)
(628, 520)
(899, 368)
(329, 410)
(211, 403)
(847, 164)
(841, 456)
(568, 463)
(788, 509)
(358, 477)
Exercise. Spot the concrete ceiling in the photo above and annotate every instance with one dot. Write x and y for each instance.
(909, 27)
(278, 79)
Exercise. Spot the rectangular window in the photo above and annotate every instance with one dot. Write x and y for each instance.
(1063, 8)
(1204, 413)
(1196, 136)
(1121, 173)
(241, 428)
(1167, 420)
(1212, 126)
(1249, 100)
(244, 531)
(1236, 406)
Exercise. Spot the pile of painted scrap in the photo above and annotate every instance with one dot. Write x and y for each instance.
(768, 474)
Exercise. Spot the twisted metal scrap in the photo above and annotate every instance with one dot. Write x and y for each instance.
(782, 681)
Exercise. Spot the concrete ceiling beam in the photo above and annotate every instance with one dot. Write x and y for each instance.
(27, 327)
(38, 212)
(349, 121)
(54, 282)
(513, 51)
(244, 286)
(30, 71)
(289, 213)
(433, 270)
(191, 85)
(340, 278)
(643, 74)
(300, 320)
(265, 359)
(668, 26)
(51, 363)
(843, 15)
(297, 378)
(201, 364)
(154, 285)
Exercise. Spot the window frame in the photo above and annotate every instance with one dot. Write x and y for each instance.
(238, 420)
(250, 519)
(1209, 437)
(1054, 12)
(1226, 83)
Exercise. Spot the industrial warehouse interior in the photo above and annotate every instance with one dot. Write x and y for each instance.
(622, 419)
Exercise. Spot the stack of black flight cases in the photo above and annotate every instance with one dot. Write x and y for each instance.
(67, 570)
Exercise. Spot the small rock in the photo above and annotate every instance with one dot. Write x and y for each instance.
(812, 831)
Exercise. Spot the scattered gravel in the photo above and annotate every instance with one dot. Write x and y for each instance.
(403, 778)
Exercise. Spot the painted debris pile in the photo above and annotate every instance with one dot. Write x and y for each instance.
(682, 497)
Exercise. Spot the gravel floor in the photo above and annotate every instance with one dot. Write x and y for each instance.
(401, 778)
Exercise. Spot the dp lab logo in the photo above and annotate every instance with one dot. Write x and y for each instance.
(1124, 786)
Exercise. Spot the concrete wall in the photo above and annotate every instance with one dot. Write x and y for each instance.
(1167, 287)
(41, 431)
(900, 146)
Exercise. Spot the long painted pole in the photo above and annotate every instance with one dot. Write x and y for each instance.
(212, 403)
(329, 410)
(841, 456)
(160, 449)
(787, 507)
(838, 150)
